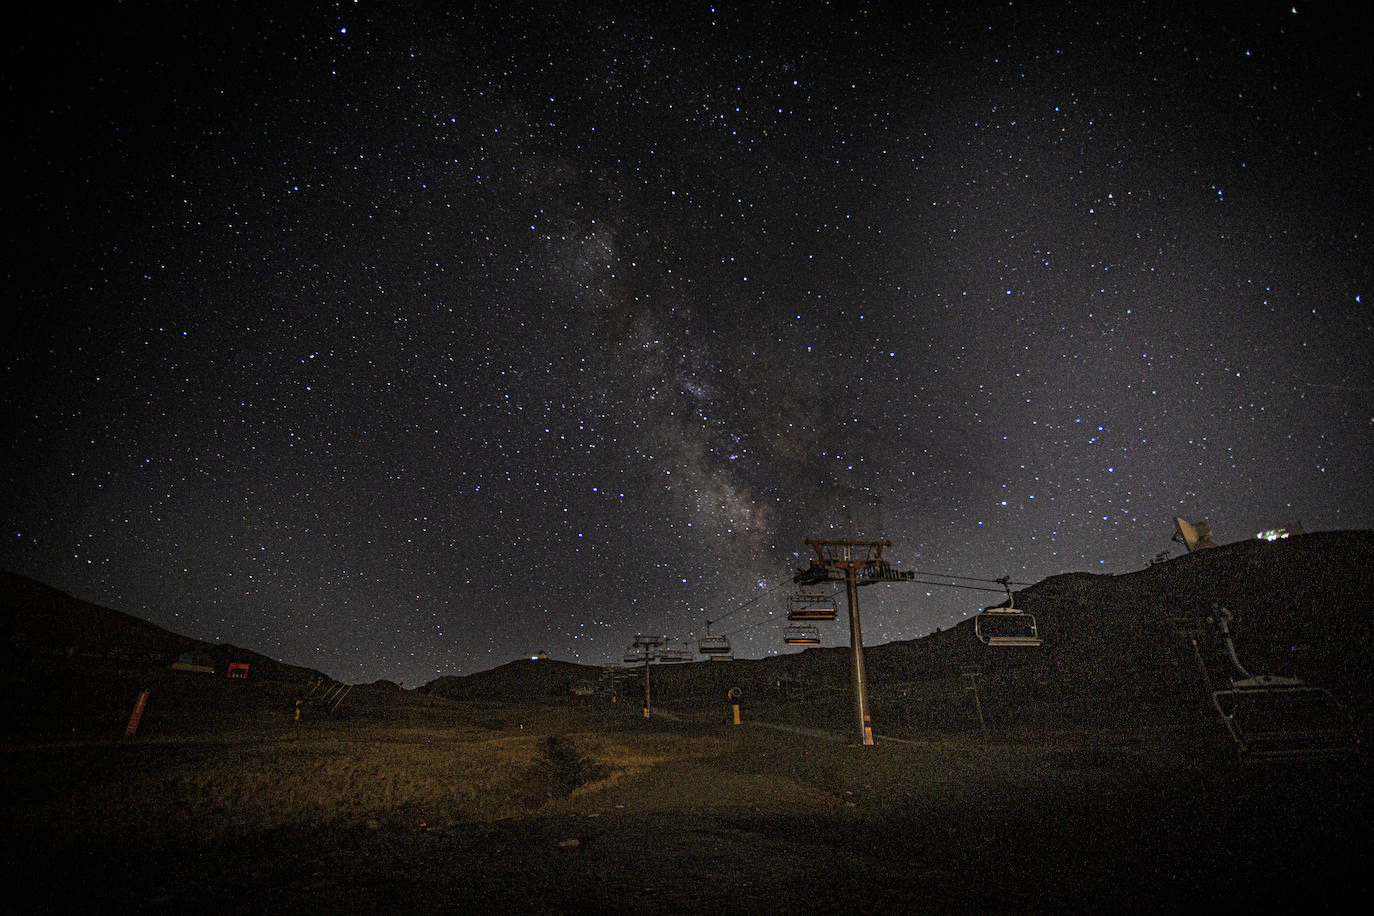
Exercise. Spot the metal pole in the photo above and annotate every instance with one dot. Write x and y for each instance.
(977, 704)
(863, 721)
(646, 687)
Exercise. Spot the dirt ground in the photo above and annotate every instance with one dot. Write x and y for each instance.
(712, 818)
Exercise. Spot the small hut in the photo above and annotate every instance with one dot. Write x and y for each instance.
(196, 660)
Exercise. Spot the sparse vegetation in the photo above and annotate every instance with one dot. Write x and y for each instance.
(1101, 782)
(201, 789)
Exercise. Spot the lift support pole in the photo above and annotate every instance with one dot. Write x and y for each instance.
(648, 704)
(862, 719)
(645, 649)
(857, 563)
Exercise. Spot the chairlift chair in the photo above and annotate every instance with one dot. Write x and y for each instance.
(801, 635)
(713, 646)
(810, 606)
(1006, 627)
(1273, 717)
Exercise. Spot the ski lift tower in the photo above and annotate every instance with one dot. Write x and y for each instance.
(645, 649)
(855, 563)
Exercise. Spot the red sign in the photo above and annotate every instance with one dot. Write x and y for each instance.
(238, 670)
(137, 714)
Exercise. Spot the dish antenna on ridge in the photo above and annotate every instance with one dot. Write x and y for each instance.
(1193, 535)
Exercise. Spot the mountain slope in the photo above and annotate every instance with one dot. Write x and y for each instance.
(40, 621)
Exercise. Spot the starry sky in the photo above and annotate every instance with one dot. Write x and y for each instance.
(405, 339)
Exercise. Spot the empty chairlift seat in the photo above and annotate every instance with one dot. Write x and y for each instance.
(1006, 627)
(713, 646)
(1275, 717)
(810, 606)
(1281, 717)
(801, 635)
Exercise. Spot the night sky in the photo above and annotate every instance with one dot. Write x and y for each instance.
(400, 340)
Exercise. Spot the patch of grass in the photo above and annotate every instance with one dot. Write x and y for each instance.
(209, 788)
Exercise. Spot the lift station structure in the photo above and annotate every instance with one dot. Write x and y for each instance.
(855, 563)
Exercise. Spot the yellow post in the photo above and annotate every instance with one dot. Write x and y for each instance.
(735, 707)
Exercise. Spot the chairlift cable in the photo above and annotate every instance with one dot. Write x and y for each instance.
(728, 614)
(921, 572)
(941, 580)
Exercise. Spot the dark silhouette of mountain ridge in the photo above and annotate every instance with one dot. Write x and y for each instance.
(1114, 646)
(41, 621)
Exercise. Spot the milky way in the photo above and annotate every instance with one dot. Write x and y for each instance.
(399, 342)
